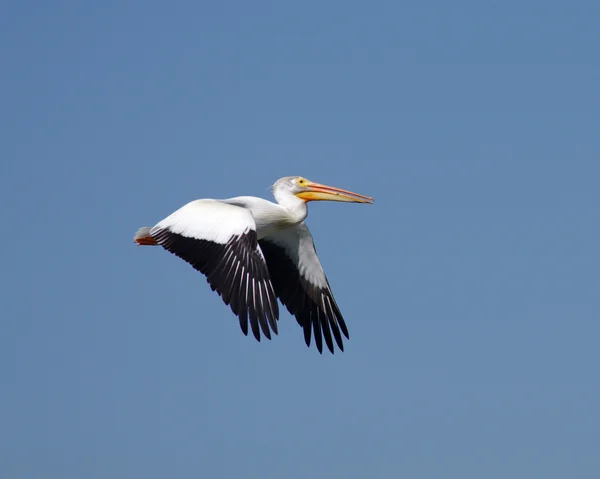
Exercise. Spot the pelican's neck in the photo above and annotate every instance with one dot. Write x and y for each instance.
(295, 206)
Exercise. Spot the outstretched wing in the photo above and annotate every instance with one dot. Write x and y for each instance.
(220, 241)
(301, 285)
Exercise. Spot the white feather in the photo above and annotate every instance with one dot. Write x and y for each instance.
(143, 232)
(298, 245)
(210, 220)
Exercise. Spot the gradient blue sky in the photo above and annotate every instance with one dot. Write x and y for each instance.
(471, 287)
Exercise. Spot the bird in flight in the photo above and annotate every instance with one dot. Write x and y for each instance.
(253, 251)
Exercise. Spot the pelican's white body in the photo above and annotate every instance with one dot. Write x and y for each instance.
(239, 229)
(219, 220)
(270, 217)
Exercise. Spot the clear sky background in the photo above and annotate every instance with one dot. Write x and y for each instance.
(471, 287)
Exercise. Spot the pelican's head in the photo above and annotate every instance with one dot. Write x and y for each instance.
(308, 190)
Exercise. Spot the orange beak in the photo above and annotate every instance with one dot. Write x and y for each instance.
(318, 192)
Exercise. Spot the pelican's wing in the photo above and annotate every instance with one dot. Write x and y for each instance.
(301, 285)
(219, 240)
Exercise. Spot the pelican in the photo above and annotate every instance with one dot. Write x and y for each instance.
(253, 251)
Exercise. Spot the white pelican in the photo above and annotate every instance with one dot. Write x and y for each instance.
(253, 251)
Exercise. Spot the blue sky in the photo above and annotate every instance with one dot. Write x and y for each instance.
(470, 287)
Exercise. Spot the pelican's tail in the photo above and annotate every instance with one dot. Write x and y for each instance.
(143, 238)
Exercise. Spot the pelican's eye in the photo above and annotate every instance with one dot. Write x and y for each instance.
(301, 181)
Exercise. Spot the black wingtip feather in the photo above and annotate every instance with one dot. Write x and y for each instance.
(226, 267)
(244, 324)
(314, 308)
(326, 330)
(317, 333)
(254, 324)
(307, 327)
